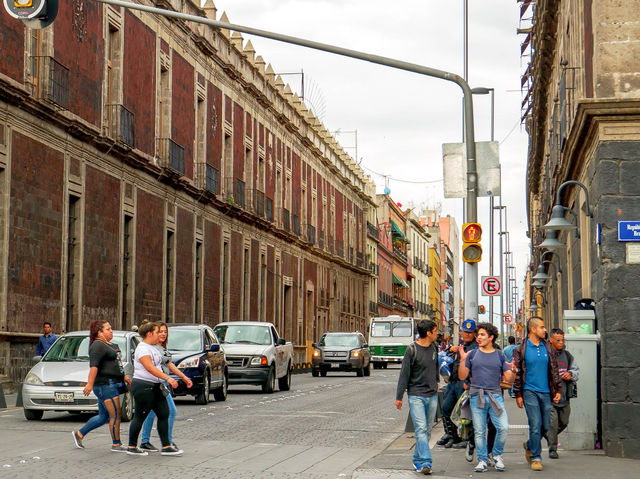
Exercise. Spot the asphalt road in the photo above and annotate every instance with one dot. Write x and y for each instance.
(322, 428)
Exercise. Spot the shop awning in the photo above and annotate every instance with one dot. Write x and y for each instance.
(399, 281)
(396, 231)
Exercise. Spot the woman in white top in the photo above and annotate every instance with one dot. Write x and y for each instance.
(149, 392)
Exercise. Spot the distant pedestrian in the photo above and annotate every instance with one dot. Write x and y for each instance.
(107, 380)
(537, 381)
(569, 372)
(149, 392)
(167, 368)
(508, 352)
(419, 378)
(487, 366)
(46, 340)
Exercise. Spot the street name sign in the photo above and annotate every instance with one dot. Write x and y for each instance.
(628, 230)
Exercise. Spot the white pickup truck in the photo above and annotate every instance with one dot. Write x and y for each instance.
(256, 354)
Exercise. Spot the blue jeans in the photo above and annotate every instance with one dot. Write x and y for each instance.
(148, 423)
(423, 414)
(479, 417)
(451, 395)
(104, 393)
(538, 407)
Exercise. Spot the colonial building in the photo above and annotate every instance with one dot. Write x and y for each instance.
(449, 274)
(156, 168)
(582, 113)
(418, 256)
(371, 260)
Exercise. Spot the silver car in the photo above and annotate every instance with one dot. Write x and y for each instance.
(56, 382)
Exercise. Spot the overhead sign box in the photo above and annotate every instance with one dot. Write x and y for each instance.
(454, 157)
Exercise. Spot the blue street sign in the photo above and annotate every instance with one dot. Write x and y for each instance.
(628, 230)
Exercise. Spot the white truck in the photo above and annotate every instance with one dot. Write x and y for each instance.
(256, 354)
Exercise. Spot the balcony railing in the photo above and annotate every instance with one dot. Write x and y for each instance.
(171, 155)
(286, 220)
(373, 268)
(208, 178)
(235, 192)
(321, 239)
(398, 253)
(385, 298)
(373, 231)
(51, 81)
(120, 125)
(311, 234)
(339, 248)
(269, 209)
(359, 259)
(373, 307)
(258, 201)
(296, 225)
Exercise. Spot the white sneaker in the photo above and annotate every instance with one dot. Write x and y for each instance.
(499, 463)
(481, 467)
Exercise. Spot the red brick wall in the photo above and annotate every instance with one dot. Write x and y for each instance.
(11, 40)
(238, 145)
(86, 69)
(214, 127)
(35, 233)
(139, 80)
(184, 267)
(212, 284)
(183, 109)
(150, 233)
(235, 285)
(100, 278)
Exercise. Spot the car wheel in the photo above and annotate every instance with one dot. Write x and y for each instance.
(126, 408)
(203, 396)
(367, 370)
(270, 384)
(33, 414)
(315, 373)
(360, 371)
(323, 373)
(284, 383)
(220, 393)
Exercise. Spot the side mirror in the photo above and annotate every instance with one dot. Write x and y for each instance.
(214, 348)
(281, 342)
(314, 345)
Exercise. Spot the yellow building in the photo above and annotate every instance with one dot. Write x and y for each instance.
(435, 286)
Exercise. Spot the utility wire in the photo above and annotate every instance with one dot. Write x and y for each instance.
(402, 181)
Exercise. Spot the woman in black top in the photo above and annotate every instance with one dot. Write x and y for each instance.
(106, 379)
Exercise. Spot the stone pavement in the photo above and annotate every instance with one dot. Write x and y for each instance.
(395, 461)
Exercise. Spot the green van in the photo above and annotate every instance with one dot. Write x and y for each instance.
(388, 339)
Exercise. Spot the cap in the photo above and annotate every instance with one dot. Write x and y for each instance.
(469, 326)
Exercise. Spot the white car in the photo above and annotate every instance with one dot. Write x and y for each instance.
(56, 382)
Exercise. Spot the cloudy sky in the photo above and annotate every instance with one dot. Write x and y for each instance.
(402, 119)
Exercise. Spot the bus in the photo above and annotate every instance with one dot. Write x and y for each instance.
(388, 339)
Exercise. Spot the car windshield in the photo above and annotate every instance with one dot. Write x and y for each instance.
(184, 340)
(402, 329)
(379, 329)
(75, 348)
(243, 334)
(347, 340)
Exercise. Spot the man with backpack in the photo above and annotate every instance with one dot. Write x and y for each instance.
(419, 377)
(569, 371)
(487, 366)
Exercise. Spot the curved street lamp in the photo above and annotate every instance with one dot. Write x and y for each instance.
(557, 221)
(551, 242)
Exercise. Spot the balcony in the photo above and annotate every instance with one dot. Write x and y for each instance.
(269, 210)
(373, 232)
(400, 303)
(373, 268)
(235, 192)
(120, 125)
(339, 248)
(360, 260)
(398, 253)
(286, 221)
(258, 203)
(321, 239)
(385, 299)
(373, 307)
(311, 234)
(50, 81)
(171, 155)
(208, 178)
(296, 225)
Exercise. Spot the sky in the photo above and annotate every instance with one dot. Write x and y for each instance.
(401, 118)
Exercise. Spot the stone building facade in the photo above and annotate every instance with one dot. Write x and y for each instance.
(158, 168)
(582, 112)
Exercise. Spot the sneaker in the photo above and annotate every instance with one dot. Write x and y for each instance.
(536, 466)
(136, 451)
(527, 452)
(481, 467)
(118, 448)
(499, 463)
(553, 454)
(147, 446)
(171, 451)
(77, 439)
(468, 455)
(426, 470)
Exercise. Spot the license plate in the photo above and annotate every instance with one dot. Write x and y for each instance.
(64, 397)
(335, 365)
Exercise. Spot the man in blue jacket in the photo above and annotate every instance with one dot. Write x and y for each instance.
(46, 340)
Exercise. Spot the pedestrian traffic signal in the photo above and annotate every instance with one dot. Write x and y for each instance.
(35, 13)
(471, 236)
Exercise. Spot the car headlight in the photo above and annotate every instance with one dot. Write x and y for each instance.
(259, 361)
(33, 380)
(189, 363)
(355, 354)
(316, 353)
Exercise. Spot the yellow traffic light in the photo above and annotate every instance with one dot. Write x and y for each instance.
(471, 236)
(22, 3)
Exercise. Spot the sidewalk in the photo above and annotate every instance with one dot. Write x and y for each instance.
(395, 461)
